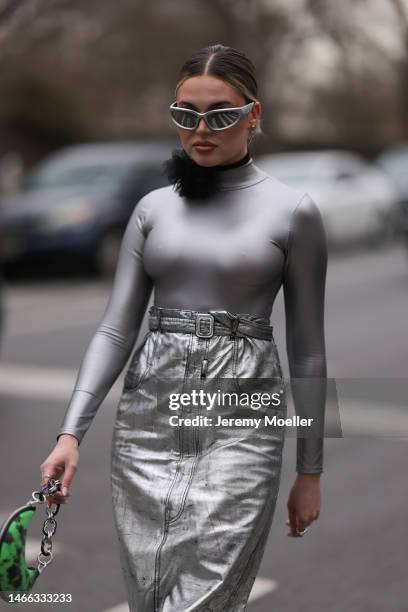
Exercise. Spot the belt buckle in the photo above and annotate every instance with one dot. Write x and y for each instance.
(204, 325)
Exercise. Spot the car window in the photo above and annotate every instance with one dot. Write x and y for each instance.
(298, 169)
(143, 179)
(396, 163)
(76, 175)
(349, 166)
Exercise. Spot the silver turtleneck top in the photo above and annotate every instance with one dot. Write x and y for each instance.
(233, 252)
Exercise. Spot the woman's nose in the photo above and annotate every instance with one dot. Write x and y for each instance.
(202, 126)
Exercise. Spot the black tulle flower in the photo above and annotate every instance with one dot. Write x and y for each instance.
(189, 178)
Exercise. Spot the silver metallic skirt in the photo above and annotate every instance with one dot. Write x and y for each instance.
(193, 502)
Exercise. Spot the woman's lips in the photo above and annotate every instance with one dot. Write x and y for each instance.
(204, 148)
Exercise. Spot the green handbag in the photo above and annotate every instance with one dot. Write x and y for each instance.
(15, 575)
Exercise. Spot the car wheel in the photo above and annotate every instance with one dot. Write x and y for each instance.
(382, 233)
(107, 252)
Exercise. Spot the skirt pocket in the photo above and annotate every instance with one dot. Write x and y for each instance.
(141, 362)
(257, 368)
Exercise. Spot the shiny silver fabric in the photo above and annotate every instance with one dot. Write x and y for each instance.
(234, 251)
(193, 506)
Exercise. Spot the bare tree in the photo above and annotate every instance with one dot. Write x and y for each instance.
(401, 11)
(120, 60)
(366, 119)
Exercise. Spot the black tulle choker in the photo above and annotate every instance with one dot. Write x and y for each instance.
(192, 180)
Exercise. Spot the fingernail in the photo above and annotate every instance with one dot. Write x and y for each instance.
(64, 491)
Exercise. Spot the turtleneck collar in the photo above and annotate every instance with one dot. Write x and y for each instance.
(240, 162)
(240, 174)
(199, 183)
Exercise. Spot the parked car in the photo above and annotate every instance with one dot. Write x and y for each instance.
(357, 200)
(79, 200)
(2, 293)
(2, 307)
(395, 163)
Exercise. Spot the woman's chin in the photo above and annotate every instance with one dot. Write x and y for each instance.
(209, 158)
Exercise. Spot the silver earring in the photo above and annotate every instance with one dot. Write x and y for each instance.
(252, 133)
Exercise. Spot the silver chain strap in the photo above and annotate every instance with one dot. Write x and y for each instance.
(49, 527)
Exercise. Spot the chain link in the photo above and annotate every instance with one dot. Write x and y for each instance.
(50, 524)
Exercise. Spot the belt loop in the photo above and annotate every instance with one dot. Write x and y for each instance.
(159, 314)
(235, 324)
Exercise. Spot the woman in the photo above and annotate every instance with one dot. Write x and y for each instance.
(193, 505)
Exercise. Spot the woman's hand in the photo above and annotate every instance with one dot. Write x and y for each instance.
(62, 464)
(303, 503)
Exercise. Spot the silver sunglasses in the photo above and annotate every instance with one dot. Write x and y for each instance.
(218, 119)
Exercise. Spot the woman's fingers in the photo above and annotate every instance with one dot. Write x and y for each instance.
(67, 478)
(300, 525)
(47, 474)
(56, 473)
(292, 522)
(57, 497)
(303, 504)
(61, 464)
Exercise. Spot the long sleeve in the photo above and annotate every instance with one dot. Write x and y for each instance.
(112, 343)
(304, 296)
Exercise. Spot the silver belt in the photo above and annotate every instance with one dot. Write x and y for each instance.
(206, 324)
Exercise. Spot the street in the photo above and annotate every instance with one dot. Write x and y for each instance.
(352, 559)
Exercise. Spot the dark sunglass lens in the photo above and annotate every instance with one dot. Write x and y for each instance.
(183, 118)
(224, 119)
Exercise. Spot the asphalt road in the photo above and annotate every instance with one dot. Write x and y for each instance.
(352, 559)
